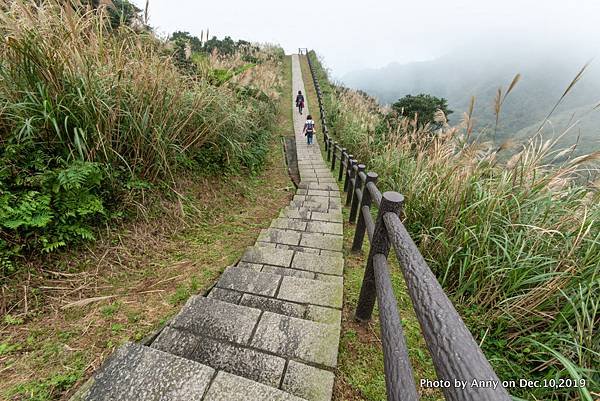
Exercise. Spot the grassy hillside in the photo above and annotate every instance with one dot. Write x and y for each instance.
(168, 160)
(515, 244)
(95, 116)
(479, 73)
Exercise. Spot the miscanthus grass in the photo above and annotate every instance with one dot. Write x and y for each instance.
(512, 232)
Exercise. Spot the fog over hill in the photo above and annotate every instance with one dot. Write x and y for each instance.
(479, 71)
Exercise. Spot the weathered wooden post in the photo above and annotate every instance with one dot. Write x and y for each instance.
(349, 165)
(329, 149)
(358, 186)
(391, 202)
(399, 378)
(352, 184)
(361, 226)
(333, 155)
(342, 158)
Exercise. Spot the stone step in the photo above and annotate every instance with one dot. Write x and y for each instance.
(215, 317)
(275, 289)
(300, 248)
(307, 214)
(313, 341)
(311, 226)
(318, 192)
(258, 366)
(298, 339)
(137, 372)
(312, 185)
(141, 373)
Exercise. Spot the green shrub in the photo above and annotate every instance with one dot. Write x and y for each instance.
(89, 108)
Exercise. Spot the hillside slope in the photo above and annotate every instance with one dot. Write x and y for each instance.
(460, 75)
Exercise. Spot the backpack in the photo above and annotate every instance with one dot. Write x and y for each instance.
(310, 127)
(299, 99)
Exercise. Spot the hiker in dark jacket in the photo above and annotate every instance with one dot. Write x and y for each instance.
(300, 101)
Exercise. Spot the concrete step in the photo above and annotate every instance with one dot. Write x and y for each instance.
(273, 340)
(268, 291)
(273, 254)
(306, 214)
(293, 377)
(139, 373)
(311, 226)
(308, 244)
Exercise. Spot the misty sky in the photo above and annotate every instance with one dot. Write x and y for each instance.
(352, 35)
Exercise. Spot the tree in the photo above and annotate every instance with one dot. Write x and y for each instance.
(423, 105)
(185, 37)
(120, 12)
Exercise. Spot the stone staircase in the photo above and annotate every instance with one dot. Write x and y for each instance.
(269, 329)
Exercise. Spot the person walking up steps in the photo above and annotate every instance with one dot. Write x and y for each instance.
(300, 101)
(309, 129)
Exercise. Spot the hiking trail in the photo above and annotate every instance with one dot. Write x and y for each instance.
(270, 328)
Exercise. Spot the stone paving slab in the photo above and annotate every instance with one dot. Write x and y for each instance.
(319, 263)
(284, 271)
(272, 245)
(308, 382)
(247, 265)
(332, 217)
(249, 281)
(137, 372)
(315, 292)
(289, 224)
(322, 241)
(324, 315)
(328, 186)
(282, 236)
(275, 305)
(297, 338)
(319, 192)
(249, 363)
(233, 297)
(295, 213)
(209, 316)
(275, 257)
(228, 387)
(325, 227)
(240, 361)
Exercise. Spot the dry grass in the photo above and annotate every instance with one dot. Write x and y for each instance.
(511, 231)
(78, 306)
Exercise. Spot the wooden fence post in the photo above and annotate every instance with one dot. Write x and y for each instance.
(361, 226)
(391, 202)
(358, 185)
(333, 155)
(341, 174)
(348, 168)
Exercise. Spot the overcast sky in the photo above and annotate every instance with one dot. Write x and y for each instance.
(352, 35)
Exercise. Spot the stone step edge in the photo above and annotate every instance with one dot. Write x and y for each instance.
(245, 347)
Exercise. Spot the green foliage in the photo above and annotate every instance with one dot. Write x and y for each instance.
(423, 106)
(183, 292)
(120, 12)
(94, 113)
(228, 46)
(45, 390)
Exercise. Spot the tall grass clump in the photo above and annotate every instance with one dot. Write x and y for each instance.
(514, 239)
(90, 111)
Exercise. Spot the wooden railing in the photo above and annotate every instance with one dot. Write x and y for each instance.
(464, 374)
